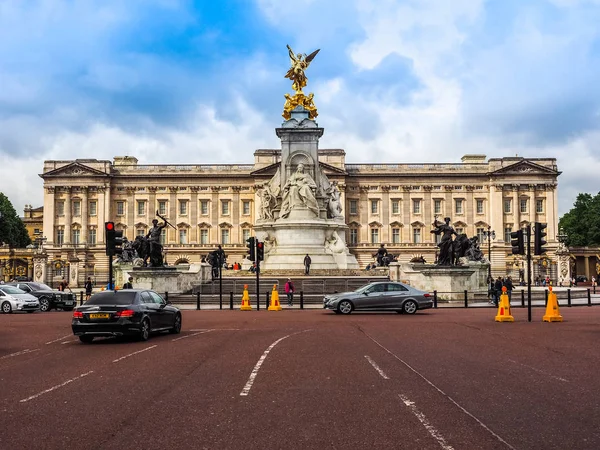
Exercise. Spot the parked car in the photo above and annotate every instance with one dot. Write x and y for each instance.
(127, 312)
(48, 297)
(14, 299)
(581, 279)
(380, 296)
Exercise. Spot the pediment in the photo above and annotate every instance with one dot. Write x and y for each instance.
(416, 223)
(141, 225)
(375, 224)
(245, 225)
(331, 169)
(354, 224)
(524, 223)
(75, 169)
(459, 223)
(120, 226)
(480, 224)
(183, 225)
(204, 225)
(525, 167)
(268, 170)
(225, 225)
(396, 224)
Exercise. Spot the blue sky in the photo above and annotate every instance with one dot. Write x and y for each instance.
(173, 81)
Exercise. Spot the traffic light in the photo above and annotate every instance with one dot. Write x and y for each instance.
(118, 243)
(260, 251)
(517, 242)
(251, 248)
(538, 246)
(114, 239)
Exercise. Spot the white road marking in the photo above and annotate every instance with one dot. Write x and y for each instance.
(59, 339)
(69, 342)
(56, 387)
(134, 353)
(190, 335)
(22, 352)
(219, 329)
(430, 428)
(441, 392)
(254, 372)
(377, 368)
(540, 371)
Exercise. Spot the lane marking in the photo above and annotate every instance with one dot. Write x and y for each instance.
(22, 352)
(55, 387)
(254, 372)
(377, 368)
(69, 342)
(540, 371)
(430, 428)
(190, 335)
(484, 426)
(134, 353)
(219, 329)
(59, 339)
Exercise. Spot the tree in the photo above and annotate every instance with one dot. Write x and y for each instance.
(12, 228)
(582, 222)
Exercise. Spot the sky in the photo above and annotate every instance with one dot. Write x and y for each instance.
(201, 82)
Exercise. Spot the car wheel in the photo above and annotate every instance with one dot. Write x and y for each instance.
(176, 325)
(145, 330)
(86, 339)
(345, 307)
(6, 308)
(410, 307)
(44, 304)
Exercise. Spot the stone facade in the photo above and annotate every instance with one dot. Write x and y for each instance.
(393, 204)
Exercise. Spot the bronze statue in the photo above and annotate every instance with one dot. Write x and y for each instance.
(446, 256)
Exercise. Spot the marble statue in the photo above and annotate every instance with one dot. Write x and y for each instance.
(267, 203)
(299, 190)
(333, 243)
(334, 204)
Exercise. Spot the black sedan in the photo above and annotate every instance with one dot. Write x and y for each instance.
(127, 312)
(48, 297)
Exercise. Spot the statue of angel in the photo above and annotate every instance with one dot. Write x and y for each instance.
(300, 63)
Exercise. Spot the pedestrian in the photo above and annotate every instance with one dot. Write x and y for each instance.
(307, 262)
(289, 291)
(509, 287)
(63, 285)
(497, 290)
(88, 288)
(129, 284)
(593, 281)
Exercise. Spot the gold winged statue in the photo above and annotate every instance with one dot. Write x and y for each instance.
(299, 63)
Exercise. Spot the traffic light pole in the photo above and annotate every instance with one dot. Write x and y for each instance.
(110, 271)
(528, 273)
(257, 275)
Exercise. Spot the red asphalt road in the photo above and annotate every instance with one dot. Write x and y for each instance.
(447, 378)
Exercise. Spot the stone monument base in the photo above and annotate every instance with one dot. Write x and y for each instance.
(173, 279)
(450, 282)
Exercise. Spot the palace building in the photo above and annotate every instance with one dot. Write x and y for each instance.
(393, 204)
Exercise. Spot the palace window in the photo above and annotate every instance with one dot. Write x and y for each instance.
(141, 208)
(60, 237)
(416, 235)
(140, 232)
(507, 205)
(225, 236)
(77, 208)
(60, 208)
(204, 236)
(437, 206)
(245, 234)
(374, 206)
(539, 206)
(507, 231)
(183, 207)
(183, 237)
(93, 208)
(225, 207)
(458, 206)
(416, 206)
(395, 235)
(204, 207)
(246, 208)
(120, 208)
(374, 235)
(353, 207)
(480, 234)
(162, 207)
(75, 234)
(395, 207)
(163, 237)
(92, 236)
(524, 205)
(479, 206)
(353, 236)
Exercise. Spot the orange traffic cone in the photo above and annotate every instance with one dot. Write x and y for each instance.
(275, 305)
(246, 306)
(504, 308)
(552, 312)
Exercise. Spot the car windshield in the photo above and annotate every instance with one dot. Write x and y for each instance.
(40, 287)
(112, 298)
(362, 289)
(11, 290)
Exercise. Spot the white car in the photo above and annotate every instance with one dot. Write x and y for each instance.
(14, 299)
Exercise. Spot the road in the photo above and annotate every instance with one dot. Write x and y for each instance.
(449, 379)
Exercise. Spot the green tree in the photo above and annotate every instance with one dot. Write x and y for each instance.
(582, 222)
(12, 228)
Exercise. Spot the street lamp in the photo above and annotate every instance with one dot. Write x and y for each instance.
(489, 235)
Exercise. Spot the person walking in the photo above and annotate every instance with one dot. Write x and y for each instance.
(63, 285)
(289, 291)
(129, 284)
(509, 287)
(307, 262)
(498, 290)
(88, 288)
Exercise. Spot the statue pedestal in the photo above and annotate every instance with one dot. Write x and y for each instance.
(449, 281)
(174, 279)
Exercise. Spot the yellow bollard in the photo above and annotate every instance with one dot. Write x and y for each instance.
(275, 305)
(552, 312)
(246, 306)
(504, 308)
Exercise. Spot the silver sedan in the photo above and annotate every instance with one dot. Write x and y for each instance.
(380, 296)
(14, 299)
